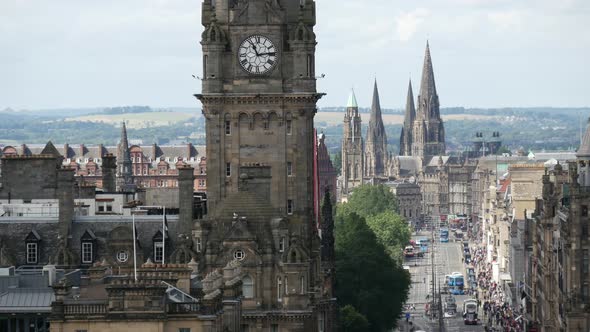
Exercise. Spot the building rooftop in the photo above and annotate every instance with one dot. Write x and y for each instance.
(26, 300)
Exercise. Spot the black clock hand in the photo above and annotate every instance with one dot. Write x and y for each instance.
(270, 53)
(254, 47)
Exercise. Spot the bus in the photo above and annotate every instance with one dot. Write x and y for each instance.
(444, 235)
(456, 283)
(470, 312)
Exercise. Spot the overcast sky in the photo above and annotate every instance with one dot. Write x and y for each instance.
(486, 53)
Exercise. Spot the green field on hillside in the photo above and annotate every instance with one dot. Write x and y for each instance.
(137, 120)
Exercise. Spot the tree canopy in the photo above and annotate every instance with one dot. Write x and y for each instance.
(366, 276)
(392, 231)
(368, 200)
(352, 321)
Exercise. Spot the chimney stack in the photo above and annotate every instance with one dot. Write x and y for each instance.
(186, 179)
(65, 192)
(109, 170)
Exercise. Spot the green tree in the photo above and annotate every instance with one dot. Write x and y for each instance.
(392, 231)
(368, 200)
(366, 276)
(352, 321)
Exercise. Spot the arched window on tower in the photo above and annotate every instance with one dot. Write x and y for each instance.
(247, 287)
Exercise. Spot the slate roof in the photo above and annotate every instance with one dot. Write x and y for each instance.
(31, 300)
(98, 151)
(409, 164)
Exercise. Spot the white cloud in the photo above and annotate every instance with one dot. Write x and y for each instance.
(407, 23)
(506, 20)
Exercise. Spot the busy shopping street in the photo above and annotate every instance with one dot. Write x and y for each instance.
(447, 257)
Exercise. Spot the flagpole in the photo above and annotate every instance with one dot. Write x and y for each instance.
(164, 236)
(134, 241)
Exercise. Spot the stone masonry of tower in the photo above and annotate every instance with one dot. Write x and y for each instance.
(352, 147)
(376, 155)
(260, 146)
(423, 134)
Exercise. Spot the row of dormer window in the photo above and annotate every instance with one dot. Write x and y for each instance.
(88, 253)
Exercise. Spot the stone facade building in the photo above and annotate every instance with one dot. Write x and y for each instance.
(259, 100)
(152, 166)
(149, 302)
(558, 268)
(409, 198)
(49, 216)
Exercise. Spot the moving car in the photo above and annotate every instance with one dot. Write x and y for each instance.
(409, 251)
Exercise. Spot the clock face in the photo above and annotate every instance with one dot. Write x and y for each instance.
(257, 55)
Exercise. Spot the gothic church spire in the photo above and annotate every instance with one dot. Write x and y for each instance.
(410, 116)
(376, 142)
(428, 133)
(427, 85)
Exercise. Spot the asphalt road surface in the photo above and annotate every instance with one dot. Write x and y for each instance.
(447, 259)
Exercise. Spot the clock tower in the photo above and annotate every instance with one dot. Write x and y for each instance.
(259, 100)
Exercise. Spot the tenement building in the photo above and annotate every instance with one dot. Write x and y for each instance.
(259, 100)
(558, 272)
(149, 166)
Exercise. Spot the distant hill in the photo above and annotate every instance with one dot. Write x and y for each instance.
(535, 128)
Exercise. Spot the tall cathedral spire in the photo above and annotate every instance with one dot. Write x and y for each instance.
(427, 85)
(428, 134)
(376, 142)
(410, 116)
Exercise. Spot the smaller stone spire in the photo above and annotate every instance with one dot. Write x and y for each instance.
(410, 115)
(124, 170)
(376, 105)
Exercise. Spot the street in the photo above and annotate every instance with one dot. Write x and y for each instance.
(447, 259)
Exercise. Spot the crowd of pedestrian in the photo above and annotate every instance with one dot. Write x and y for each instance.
(498, 314)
